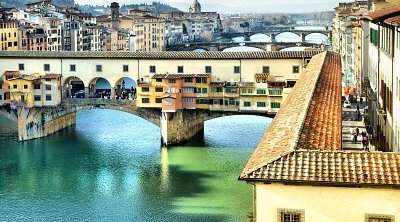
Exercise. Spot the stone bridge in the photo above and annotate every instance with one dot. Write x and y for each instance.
(176, 128)
(221, 46)
(272, 33)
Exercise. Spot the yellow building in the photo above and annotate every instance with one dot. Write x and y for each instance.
(8, 35)
(35, 90)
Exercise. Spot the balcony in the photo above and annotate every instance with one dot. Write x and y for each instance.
(276, 84)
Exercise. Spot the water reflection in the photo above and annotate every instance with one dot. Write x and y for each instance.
(110, 168)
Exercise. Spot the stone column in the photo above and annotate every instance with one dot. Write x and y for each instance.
(180, 126)
(303, 37)
(87, 92)
(112, 93)
(272, 37)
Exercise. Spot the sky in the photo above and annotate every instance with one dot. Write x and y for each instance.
(228, 6)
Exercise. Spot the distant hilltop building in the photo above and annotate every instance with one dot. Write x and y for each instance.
(195, 7)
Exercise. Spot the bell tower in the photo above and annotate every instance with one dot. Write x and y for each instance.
(114, 15)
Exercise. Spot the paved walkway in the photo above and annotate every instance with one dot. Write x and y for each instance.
(349, 121)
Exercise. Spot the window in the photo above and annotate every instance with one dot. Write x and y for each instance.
(208, 69)
(46, 67)
(158, 80)
(125, 68)
(159, 89)
(180, 69)
(72, 68)
(1, 97)
(379, 218)
(187, 89)
(37, 98)
(286, 215)
(25, 86)
(201, 80)
(236, 69)
(145, 89)
(48, 97)
(152, 69)
(99, 68)
(21, 66)
(275, 105)
(204, 90)
(266, 69)
(15, 86)
(264, 81)
(275, 92)
(48, 87)
(231, 90)
(168, 102)
(260, 104)
(172, 81)
(261, 91)
(36, 86)
(158, 100)
(145, 100)
(216, 89)
(296, 69)
(246, 104)
(188, 79)
(188, 100)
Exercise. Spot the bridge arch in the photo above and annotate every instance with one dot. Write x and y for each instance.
(294, 37)
(262, 37)
(99, 87)
(316, 36)
(125, 88)
(73, 87)
(243, 47)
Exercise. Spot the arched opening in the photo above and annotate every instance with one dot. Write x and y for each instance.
(317, 38)
(99, 88)
(238, 39)
(287, 37)
(200, 50)
(260, 37)
(125, 88)
(74, 87)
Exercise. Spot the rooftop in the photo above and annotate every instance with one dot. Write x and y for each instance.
(303, 143)
(161, 55)
(384, 13)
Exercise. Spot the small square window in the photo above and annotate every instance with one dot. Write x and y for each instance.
(145, 89)
(125, 68)
(172, 81)
(296, 69)
(152, 69)
(48, 87)
(266, 69)
(208, 69)
(145, 100)
(180, 69)
(72, 68)
(46, 67)
(246, 104)
(15, 86)
(38, 98)
(289, 215)
(236, 69)
(159, 89)
(21, 66)
(158, 80)
(25, 86)
(99, 68)
(158, 100)
(36, 86)
(48, 97)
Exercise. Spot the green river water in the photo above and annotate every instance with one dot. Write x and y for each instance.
(110, 167)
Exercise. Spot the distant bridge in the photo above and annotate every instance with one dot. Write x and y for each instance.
(221, 46)
(272, 33)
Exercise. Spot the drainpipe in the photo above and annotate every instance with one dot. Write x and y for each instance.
(392, 57)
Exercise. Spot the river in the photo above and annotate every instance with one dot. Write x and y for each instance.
(110, 167)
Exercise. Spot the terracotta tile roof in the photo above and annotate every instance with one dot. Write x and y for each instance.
(12, 74)
(394, 20)
(51, 76)
(282, 135)
(178, 76)
(160, 55)
(322, 127)
(220, 84)
(345, 168)
(261, 75)
(384, 13)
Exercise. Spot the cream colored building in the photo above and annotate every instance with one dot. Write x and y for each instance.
(281, 70)
(8, 34)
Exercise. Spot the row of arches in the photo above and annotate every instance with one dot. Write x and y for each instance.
(99, 87)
